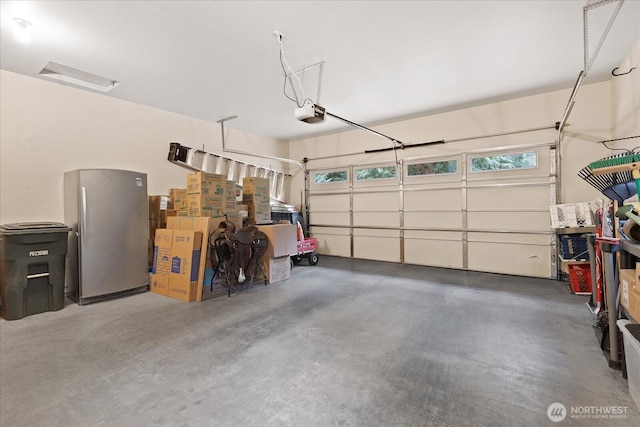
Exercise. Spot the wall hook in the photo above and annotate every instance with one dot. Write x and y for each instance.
(613, 72)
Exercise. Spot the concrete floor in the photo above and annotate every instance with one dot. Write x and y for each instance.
(345, 343)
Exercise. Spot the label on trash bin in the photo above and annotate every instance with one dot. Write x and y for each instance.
(42, 252)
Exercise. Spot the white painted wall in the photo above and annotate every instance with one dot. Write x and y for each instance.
(625, 92)
(47, 129)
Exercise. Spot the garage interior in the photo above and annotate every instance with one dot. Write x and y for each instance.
(448, 135)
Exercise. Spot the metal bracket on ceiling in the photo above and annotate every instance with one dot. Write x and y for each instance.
(302, 70)
(590, 5)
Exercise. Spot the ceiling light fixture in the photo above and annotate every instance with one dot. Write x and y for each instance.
(77, 77)
(23, 30)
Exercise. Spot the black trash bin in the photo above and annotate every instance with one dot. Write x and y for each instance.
(32, 255)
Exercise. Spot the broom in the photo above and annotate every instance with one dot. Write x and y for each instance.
(616, 184)
(616, 164)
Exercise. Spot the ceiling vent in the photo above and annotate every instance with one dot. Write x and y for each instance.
(73, 76)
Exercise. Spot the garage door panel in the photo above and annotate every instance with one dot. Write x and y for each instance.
(508, 221)
(531, 197)
(432, 200)
(437, 253)
(376, 219)
(507, 258)
(455, 236)
(444, 220)
(517, 238)
(331, 202)
(366, 232)
(332, 241)
(377, 248)
(433, 248)
(330, 218)
(376, 202)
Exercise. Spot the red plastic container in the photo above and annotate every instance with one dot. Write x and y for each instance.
(580, 278)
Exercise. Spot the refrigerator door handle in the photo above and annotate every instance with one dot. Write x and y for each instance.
(83, 225)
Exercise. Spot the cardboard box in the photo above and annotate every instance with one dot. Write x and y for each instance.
(206, 188)
(179, 198)
(198, 201)
(162, 252)
(205, 211)
(154, 224)
(182, 212)
(261, 214)
(243, 209)
(283, 239)
(230, 191)
(159, 284)
(255, 185)
(196, 177)
(630, 292)
(158, 206)
(277, 269)
(206, 184)
(185, 264)
(256, 191)
(178, 193)
(256, 199)
(206, 225)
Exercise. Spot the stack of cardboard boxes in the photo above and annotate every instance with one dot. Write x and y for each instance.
(255, 194)
(160, 207)
(180, 263)
(205, 194)
(212, 195)
(230, 204)
(283, 242)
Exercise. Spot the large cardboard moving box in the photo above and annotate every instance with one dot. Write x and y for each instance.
(206, 225)
(277, 269)
(161, 264)
(283, 239)
(185, 263)
(159, 284)
(162, 252)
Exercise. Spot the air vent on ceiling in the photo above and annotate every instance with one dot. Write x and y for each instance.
(77, 77)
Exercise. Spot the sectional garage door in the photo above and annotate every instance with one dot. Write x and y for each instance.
(482, 211)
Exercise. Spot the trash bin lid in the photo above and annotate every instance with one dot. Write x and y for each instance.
(33, 227)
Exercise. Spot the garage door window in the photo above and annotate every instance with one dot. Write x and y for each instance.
(330, 177)
(384, 172)
(528, 160)
(433, 168)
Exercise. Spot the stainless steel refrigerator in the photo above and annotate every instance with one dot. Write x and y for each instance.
(107, 254)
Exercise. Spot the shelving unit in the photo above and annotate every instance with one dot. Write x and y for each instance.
(574, 232)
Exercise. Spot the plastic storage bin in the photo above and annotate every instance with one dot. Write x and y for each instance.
(574, 247)
(580, 277)
(632, 356)
(33, 268)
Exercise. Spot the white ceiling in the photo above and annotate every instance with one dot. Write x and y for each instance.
(383, 60)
